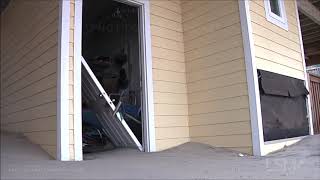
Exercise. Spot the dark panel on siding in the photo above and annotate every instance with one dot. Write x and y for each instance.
(283, 106)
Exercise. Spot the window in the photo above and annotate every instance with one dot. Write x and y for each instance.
(275, 7)
(276, 13)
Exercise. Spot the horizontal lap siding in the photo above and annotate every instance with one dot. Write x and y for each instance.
(169, 74)
(218, 106)
(29, 49)
(276, 49)
(71, 80)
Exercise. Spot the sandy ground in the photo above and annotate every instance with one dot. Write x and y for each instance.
(23, 160)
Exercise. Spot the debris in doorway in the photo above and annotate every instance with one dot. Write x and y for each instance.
(131, 112)
(94, 137)
(112, 80)
(99, 103)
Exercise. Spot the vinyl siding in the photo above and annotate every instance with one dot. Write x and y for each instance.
(218, 106)
(71, 80)
(276, 49)
(169, 74)
(29, 50)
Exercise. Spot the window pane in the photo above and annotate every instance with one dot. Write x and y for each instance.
(275, 8)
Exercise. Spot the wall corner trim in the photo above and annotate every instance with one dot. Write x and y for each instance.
(305, 71)
(78, 156)
(63, 153)
(252, 78)
(149, 128)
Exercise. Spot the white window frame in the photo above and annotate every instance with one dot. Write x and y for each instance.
(281, 20)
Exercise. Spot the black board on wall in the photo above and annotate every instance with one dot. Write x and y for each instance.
(283, 106)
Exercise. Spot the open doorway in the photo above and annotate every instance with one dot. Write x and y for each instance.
(113, 71)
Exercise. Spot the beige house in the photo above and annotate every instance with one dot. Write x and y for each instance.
(202, 63)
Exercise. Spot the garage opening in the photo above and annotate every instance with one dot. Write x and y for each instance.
(112, 96)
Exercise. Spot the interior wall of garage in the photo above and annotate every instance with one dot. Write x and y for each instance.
(277, 50)
(29, 50)
(216, 75)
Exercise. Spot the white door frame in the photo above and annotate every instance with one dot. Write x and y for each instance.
(77, 92)
(148, 117)
(252, 79)
(63, 151)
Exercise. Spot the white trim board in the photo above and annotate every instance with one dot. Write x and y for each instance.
(273, 146)
(149, 124)
(63, 152)
(77, 96)
(252, 79)
(283, 140)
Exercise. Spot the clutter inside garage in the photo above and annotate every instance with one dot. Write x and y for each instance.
(111, 48)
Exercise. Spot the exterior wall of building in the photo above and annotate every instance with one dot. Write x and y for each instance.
(216, 75)
(200, 86)
(29, 50)
(277, 50)
(169, 74)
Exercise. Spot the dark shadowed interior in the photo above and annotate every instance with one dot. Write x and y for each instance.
(110, 45)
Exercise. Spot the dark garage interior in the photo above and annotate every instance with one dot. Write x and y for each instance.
(111, 47)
